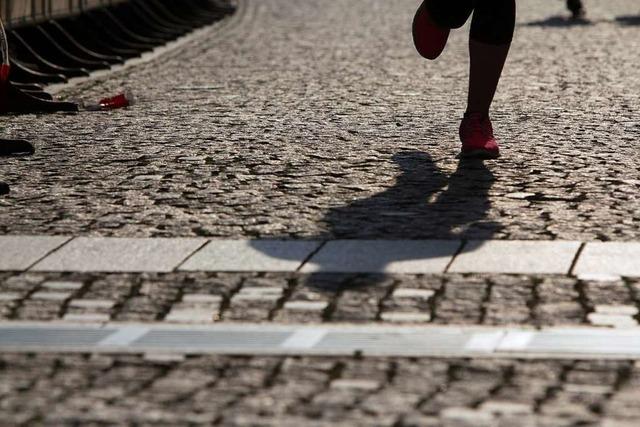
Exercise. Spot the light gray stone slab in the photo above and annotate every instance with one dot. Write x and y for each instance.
(9, 296)
(58, 285)
(403, 317)
(615, 320)
(202, 299)
(92, 303)
(611, 258)
(188, 315)
(383, 256)
(506, 408)
(622, 310)
(251, 255)
(355, 384)
(86, 317)
(516, 257)
(103, 254)
(306, 305)
(21, 252)
(413, 293)
(51, 296)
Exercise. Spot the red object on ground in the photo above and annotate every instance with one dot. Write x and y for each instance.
(4, 72)
(476, 134)
(429, 38)
(118, 101)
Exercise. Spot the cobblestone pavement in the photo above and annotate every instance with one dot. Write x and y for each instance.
(298, 298)
(302, 117)
(261, 391)
(316, 119)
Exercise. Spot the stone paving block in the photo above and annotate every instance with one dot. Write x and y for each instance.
(21, 252)
(251, 255)
(164, 357)
(99, 254)
(403, 317)
(59, 285)
(499, 407)
(413, 293)
(613, 320)
(191, 316)
(306, 305)
(51, 296)
(9, 296)
(622, 310)
(516, 257)
(92, 303)
(383, 256)
(609, 258)
(86, 317)
(202, 299)
(355, 384)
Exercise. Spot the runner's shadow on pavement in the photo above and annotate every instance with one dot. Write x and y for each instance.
(559, 21)
(628, 20)
(424, 203)
(13, 147)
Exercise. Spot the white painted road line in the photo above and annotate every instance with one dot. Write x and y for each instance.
(338, 340)
(124, 336)
(304, 339)
(484, 342)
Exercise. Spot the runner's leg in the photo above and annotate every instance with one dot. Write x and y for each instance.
(491, 34)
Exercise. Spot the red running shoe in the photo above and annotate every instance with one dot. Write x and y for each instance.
(476, 134)
(428, 37)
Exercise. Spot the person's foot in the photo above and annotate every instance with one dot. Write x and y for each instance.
(428, 37)
(476, 134)
(4, 188)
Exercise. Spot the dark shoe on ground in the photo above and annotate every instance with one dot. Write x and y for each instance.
(428, 37)
(15, 147)
(476, 134)
(4, 188)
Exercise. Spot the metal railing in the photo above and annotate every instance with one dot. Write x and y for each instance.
(22, 12)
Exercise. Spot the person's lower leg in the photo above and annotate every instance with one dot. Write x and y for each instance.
(486, 65)
(491, 34)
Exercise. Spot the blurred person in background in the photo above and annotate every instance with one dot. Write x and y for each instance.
(577, 9)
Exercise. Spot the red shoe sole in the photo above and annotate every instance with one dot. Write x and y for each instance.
(429, 39)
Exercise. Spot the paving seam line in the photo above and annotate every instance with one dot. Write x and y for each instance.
(68, 239)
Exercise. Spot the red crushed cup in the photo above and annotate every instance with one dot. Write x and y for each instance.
(118, 101)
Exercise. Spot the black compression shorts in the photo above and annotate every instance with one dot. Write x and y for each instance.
(493, 20)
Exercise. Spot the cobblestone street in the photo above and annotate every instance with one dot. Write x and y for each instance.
(317, 121)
